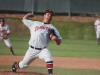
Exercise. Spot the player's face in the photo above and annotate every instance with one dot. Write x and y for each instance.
(2, 23)
(48, 16)
(99, 18)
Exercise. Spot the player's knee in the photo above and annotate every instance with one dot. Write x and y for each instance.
(8, 45)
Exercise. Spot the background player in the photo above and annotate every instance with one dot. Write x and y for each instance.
(97, 29)
(4, 33)
(41, 34)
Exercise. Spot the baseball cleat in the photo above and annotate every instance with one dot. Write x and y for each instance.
(14, 67)
(12, 53)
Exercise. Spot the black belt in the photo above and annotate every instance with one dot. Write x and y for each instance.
(37, 48)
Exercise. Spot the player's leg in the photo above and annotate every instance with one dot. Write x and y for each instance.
(46, 55)
(98, 37)
(27, 60)
(49, 66)
(8, 43)
(29, 57)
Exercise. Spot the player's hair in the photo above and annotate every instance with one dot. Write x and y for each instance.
(49, 11)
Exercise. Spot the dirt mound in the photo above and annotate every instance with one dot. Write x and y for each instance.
(21, 72)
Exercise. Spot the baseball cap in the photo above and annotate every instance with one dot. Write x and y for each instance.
(49, 11)
(2, 20)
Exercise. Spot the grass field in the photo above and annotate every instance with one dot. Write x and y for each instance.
(69, 48)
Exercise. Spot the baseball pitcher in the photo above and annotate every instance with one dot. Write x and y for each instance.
(4, 33)
(41, 34)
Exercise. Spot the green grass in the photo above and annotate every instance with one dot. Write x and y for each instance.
(69, 48)
(76, 48)
(75, 30)
(20, 45)
(61, 71)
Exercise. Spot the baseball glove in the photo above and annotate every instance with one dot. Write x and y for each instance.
(5, 37)
(51, 33)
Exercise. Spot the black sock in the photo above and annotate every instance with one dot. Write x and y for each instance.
(12, 51)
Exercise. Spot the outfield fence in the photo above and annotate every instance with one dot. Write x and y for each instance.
(59, 6)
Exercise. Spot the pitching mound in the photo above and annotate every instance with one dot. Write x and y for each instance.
(21, 72)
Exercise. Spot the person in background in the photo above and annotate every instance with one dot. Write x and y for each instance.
(4, 33)
(97, 29)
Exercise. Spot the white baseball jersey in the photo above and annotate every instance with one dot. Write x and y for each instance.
(97, 24)
(4, 30)
(39, 33)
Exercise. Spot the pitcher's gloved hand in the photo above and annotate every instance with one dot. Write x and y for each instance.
(5, 37)
(51, 33)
